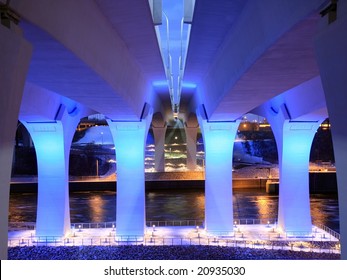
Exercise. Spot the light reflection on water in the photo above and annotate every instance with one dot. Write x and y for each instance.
(174, 205)
(92, 207)
(97, 208)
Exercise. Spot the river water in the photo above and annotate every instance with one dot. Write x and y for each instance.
(167, 205)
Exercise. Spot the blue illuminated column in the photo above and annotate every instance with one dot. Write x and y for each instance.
(129, 139)
(331, 51)
(15, 55)
(294, 153)
(159, 142)
(294, 140)
(219, 140)
(53, 217)
(52, 141)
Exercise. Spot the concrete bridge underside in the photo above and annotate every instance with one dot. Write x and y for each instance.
(68, 59)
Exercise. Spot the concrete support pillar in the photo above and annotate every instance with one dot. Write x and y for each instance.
(159, 142)
(191, 127)
(191, 134)
(219, 140)
(294, 199)
(294, 141)
(130, 140)
(295, 116)
(52, 141)
(15, 55)
(159, 130)
(53, 217)
(331, 51)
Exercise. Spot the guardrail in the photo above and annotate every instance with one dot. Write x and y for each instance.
(158, 223)
(329, 231)
(314, 241)
(255, 221)
(174, 223)
(326, 247)
(93, 225)
(13, 226)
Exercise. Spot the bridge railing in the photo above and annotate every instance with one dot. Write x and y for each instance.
(175, 223)
(329, 231)
(93, 225)
(270, 221)
(326, 247)
(13, 226)
(166, 223)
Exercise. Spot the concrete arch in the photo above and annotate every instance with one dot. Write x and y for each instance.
(84, 58)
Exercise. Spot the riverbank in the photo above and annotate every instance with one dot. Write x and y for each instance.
(101, 185)
(320, 182)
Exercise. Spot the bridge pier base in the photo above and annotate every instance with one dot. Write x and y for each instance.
(219, 140)
(130, 140)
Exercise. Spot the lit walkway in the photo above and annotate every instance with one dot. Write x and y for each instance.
(253, 236)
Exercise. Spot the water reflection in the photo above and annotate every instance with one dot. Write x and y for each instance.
(96, 204)
(174, 205)
(22, 207)
(92, 207)
(263, 207)
(254, 204)
(324, 211)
